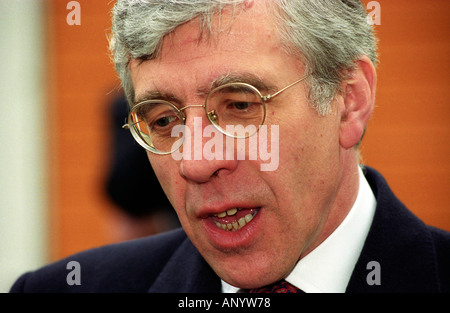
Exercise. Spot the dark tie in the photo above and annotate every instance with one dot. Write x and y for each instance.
(278, 287)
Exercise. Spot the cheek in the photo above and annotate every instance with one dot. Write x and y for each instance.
(309, 156)
(309, 139)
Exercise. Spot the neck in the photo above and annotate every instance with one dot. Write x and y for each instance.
(345, 197)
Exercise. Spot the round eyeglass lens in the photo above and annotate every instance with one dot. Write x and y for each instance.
(236, 109)
(157, 126)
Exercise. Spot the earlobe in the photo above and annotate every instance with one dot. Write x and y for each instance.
(358, 103)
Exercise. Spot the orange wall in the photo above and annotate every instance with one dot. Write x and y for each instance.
(81, 80)
(407, 140)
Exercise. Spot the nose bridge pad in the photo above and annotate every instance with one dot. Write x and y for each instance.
(212, 116)
(183, 110)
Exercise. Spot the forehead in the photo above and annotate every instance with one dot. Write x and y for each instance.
(227, 27)
(240, 44)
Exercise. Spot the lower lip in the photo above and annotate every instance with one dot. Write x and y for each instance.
(225, 240)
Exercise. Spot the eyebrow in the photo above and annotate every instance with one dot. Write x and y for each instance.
(156, 95)
(247, 78)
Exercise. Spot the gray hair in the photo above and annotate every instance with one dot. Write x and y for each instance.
(329, 36)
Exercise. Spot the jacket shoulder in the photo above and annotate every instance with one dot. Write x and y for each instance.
(441, 239)
(129, 266)
(412, 256)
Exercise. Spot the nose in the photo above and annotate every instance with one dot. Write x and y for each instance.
(204, 150)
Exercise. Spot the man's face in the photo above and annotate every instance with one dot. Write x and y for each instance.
(292, 205)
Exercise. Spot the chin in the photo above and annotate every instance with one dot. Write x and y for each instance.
(248, 270)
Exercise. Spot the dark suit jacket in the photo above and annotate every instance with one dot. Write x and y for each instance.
(413, 257)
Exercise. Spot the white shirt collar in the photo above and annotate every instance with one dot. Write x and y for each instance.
(329, 266)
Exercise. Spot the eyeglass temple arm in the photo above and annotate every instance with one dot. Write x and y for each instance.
(128, 125)
(268, 97)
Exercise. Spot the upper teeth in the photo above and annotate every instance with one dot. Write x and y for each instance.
(236, 224)
(227, 212)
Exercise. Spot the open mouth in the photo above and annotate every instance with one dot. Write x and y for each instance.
(234, 219)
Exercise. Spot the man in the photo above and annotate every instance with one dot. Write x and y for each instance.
(203, 77)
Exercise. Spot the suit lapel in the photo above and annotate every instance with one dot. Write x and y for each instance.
(186, 272)
(400, 243)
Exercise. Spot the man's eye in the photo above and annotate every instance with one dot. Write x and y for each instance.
(240, 105)
(164, 121)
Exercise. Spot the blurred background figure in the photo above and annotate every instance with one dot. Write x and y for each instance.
(143, 208)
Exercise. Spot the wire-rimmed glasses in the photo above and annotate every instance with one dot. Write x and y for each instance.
(235, 109)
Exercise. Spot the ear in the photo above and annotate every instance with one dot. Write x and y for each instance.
(358, 103)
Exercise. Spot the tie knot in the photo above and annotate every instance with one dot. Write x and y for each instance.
(278, 287)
